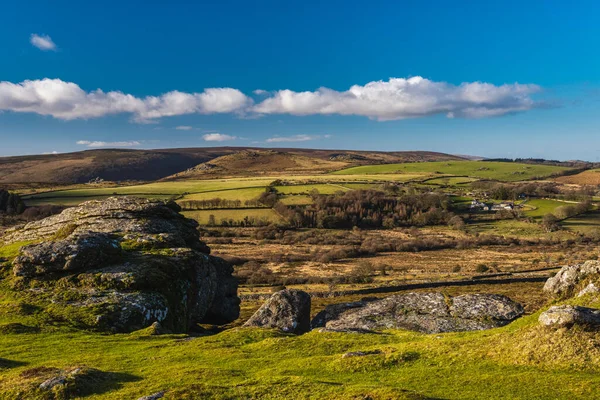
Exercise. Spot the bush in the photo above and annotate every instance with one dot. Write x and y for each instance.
(481, 268)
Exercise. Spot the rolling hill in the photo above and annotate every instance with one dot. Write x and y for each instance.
(149, 165)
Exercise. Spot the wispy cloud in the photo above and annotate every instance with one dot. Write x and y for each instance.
(184, 128)
(218, 137)
(42, 42)
(295, 138)
(97, 144)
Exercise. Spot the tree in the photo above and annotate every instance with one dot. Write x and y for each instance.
(211, 220)
(550, 223)
(457, 223)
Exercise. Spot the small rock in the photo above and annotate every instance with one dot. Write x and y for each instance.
(48, 384)
(155, 396)
(157, 329)
(566, 316)
(287, 310)
(589, 289)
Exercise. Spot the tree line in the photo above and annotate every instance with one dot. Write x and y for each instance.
(11, 203)
(369, 209)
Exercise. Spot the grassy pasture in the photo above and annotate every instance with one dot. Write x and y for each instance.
(502, 171)
(296, 200)
(207, 189)
(504, 363)
(361, 186)
(235, 214)
(542, 207)
(585, 223)
(241, 194)
(450, 180)
(305, 189)
(73, 201)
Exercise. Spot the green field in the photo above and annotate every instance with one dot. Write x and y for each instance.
(230, 194)
(296, 200)
(208, 189)
(236, 215)
(502, 171)
(73, 201)
(508, 227)
(450, 180)
(585, 223)
(306, 189)
(177, 188)
(542, 207)
(362, 186)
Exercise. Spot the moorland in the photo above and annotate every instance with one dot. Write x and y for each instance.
(341, 226)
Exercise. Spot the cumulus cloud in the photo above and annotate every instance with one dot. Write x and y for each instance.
(67, 101)
(184, 128)
(295, 138)
(42, 42)
(400, 98)
(98, 144)
(397, 98)
(217, 137)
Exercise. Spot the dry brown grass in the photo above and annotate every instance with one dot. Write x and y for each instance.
(591, 177)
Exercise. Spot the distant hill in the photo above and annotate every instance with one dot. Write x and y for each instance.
(148, 165)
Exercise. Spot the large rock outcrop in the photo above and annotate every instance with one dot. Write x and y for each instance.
(122, 264)
(153, 223)
(287, 310)
(424, 312)
(572, 278)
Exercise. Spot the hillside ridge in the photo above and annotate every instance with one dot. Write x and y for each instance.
(148, 165)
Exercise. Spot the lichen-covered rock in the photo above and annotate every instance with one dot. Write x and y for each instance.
(155, 396)
(78, 253)
(150, 220)
(428, 313)
(122, 281)
(564, 283)
(333, 311)
(589, 289)
(287, 310)
(566, 316)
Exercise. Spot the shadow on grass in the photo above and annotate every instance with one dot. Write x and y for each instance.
(7, 364)
(94, 381)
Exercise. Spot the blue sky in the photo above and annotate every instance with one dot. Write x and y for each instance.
(499, 79)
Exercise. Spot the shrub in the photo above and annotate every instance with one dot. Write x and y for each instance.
(481, 268)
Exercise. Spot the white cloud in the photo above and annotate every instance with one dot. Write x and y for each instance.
(260, 92)
(397, 98)
(184, 128)
(97, 144)
(400, 98)
(67, 101)
(50, 152)
(217, 137)
(42, 42)
(295, 138)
